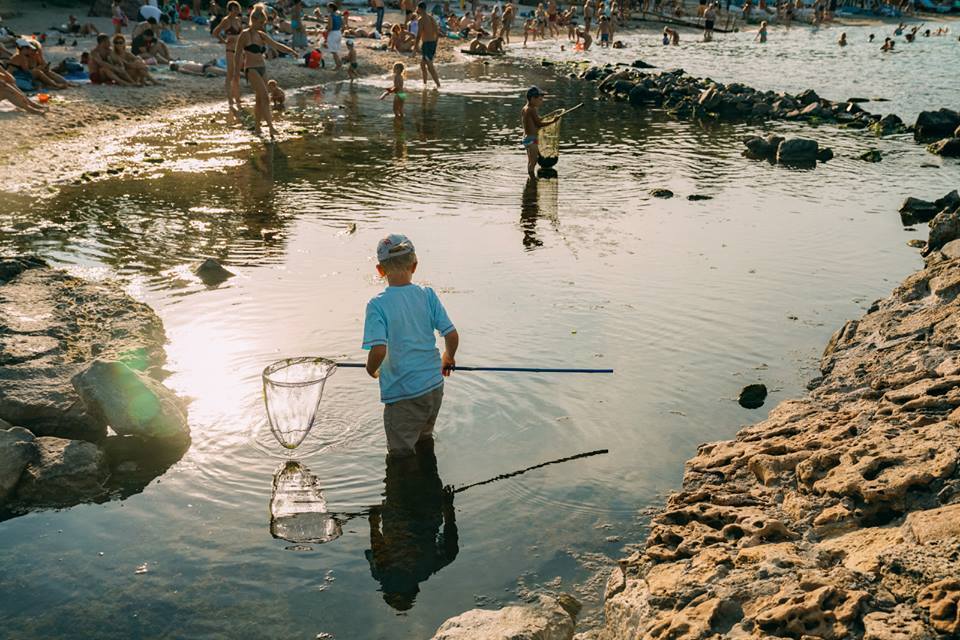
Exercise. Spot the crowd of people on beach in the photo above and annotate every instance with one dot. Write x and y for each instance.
(250, 36)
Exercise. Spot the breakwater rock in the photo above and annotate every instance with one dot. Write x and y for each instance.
(687, 97)
(77, 359)
(839, 515)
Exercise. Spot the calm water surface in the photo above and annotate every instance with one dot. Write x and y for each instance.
(688, 301)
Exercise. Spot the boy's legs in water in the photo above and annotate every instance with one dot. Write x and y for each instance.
(533, 153)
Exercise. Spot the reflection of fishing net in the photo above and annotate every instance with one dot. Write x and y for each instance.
(549, 141)
(298, 510)
(292, 390)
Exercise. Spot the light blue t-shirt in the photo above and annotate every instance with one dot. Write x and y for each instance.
(404, 319)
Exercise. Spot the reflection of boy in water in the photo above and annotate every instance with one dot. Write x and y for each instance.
(407, 544)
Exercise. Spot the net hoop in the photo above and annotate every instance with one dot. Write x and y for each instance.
(289, 416)
(270, 372)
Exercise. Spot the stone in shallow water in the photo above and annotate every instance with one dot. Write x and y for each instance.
(130, 403)
(661, 193)
(65, 472)
(17, 449)
(752, 396)
(212, 273)
(546, 619)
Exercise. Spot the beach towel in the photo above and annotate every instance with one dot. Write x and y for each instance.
(24, 80)
(77, 77)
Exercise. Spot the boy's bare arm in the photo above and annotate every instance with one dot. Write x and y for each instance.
(375, 359)
(448, 361)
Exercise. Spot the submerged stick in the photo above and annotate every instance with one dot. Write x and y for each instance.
(358, 365)
(504, 476)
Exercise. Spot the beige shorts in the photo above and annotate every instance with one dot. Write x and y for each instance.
(408, 421)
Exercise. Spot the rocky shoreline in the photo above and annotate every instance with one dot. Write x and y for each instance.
(78, 358)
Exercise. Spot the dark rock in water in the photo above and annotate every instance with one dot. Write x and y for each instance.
(17, 450)
(131, 403)
(212, 273)
(64, 473)
(856, 124)
(932, 125)
(948, 148)
(798, 151)
(916, 243)
(824, 154)
(950, 202)
(661, 193)
(855, 100)
(696, 197)
(623, 87)
(640, 64)
(914, 210)
(873, 155)
(877, 99)
(944, 228)
(752, 396)
(547, 162)
(641, 95)
(546, 63)
(51, 326)
(808, 97)
(888, 124)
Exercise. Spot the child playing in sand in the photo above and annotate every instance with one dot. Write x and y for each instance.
(531, 127)
(351, 61)
(277, 96)
(398, 331)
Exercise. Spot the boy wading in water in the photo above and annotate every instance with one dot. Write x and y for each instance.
(531, 127)
(399, 333)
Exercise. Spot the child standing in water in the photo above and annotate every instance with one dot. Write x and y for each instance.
(351, 61)
(399, 95)
(399, 331)
(762, 33)
(531, 127)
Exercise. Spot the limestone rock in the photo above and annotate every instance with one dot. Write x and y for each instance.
(17, 449)
(51, 326)
(944, 227)
(545, 619)
(942, 600)
(65, 472)
(129, 402)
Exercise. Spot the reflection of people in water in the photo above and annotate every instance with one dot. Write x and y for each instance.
(529, 213)
(413, 533)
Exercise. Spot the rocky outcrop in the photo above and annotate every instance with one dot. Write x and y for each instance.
(932, 125)
(546, 619)
(65, 472)
(17, 450)
(915, 210)
(130, 403)
(839, 515)
(52, 325)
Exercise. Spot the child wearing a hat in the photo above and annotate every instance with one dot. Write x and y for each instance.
(531, 127)
(399, 333)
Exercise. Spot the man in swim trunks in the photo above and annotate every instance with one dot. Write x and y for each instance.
(427, 35)
(531, 127)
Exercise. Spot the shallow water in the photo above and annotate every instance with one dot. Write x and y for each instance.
(688, 301)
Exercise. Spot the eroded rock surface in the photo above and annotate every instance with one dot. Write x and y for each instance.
(839, 515)
(52, 325)
(65, 472)
(546, 619)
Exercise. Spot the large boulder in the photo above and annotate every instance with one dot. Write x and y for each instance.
(798, 151)
(65, 472)
(51, 326)
(130, 403)
(932, 125)
(948, 148)
(17, 449)
(944, 227)
(914, 210)
(546, 619)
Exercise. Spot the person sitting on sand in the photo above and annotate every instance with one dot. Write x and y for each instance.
(401, 41)
(584, 36)
(30, 63)
(277, 96)
(9, 91)
(207, 69)
(495, 46)
(150, 49)
(74, 28)
(102, 70)
(843, 39)
(135, 67)
(476, 46)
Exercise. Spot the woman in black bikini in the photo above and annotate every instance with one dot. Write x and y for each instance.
(226, 32)
(251, 46)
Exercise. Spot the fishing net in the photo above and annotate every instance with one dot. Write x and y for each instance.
(298, 510)
(549, 140)
(292, 390)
